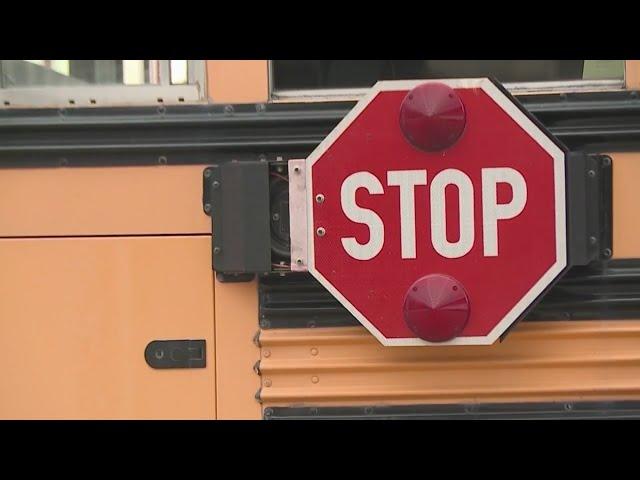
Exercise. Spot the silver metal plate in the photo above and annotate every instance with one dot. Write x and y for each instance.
(99, 96)
(298, 215)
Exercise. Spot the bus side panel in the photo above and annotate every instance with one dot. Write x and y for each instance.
(102, 201)
(626, 199)
(238, 81)
(97, 263)
(236, 351)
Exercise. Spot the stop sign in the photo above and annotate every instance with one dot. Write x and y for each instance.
(436, 212)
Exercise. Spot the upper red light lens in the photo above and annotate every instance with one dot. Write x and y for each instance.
(436, 308)
(432, 117)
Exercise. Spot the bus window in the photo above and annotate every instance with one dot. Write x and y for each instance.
(292, 75)
(67, 83)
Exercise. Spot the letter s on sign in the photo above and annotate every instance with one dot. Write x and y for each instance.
(362, 215)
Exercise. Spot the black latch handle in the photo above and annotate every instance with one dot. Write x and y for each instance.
(176, 354)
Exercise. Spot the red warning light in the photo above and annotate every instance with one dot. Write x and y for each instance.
(436, 308)
(432, 117)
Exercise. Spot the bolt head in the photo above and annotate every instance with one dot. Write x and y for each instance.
(321, 231)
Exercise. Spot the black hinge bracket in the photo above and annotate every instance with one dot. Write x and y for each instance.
(589, 208)
(236, 196)
(163, 354)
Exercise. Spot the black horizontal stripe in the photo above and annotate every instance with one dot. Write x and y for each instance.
(602, 290)
(206, 134)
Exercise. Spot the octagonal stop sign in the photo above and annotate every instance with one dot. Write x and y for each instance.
(436, 212)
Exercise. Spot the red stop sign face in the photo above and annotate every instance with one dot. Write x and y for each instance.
(433, 239)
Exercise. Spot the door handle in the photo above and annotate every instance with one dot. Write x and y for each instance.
(162, 354)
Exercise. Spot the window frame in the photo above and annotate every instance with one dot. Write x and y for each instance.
(516, 88)
(160, 93)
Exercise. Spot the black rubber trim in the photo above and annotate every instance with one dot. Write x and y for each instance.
(483, 411)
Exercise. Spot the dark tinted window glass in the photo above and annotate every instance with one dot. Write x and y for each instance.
(326, 74)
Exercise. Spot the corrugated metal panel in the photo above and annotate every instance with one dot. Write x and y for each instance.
(542, 361)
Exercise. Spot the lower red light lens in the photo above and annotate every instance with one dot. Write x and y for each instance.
(432, 117)
(436, 308)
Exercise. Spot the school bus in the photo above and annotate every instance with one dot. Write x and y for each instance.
(112, 303)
